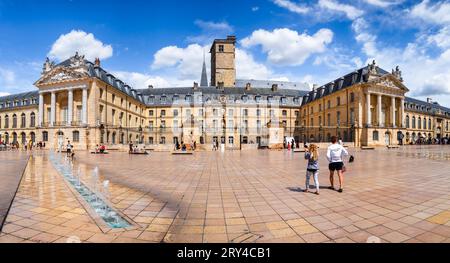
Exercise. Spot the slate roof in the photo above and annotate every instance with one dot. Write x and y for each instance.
(357, 76)
(425, 107)
(20, 97)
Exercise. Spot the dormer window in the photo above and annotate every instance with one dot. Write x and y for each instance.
(258, 99)
(221, 48)
(163, 99)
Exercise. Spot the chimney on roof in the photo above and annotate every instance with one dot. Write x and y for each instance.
(97, 62)
(248, 86)
(231, 38)
(274, 87)
(315, 86)
(429, 100)
(195, 85)
(150, 86)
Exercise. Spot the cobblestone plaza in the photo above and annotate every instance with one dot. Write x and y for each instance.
(391, 195)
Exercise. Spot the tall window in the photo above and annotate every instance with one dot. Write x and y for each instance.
(284, 112)
(221, 48)
(22, 120)
(413, 122)
(352, 97)
(79, 111)
(6, 121)
(425, 124)
(429, 124)
(32, 119)
(320, 120)
(14, 125)
(329, 104)
(175, 113)
(352, 116)
(338, 101)
(407, 122)
(113, 113)
(338, 118)
(258, 112)
(328, 119)
(75, 136)
(150, 112)
(419, 122)
(45, 136)
(163, 113)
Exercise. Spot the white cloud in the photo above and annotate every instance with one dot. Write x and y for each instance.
(209, 25)
(441, 38)
(438, 13)
(248, 68)
(209, 31)
(141, 81)
(4, 94)
(82, 42)
(350, 11)
(187, 61)
(7, 77)
(255, 8)
(287, 47)
(423, 73)
(384, 3)
(291, 6)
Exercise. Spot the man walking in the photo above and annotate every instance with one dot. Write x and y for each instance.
(335, 154)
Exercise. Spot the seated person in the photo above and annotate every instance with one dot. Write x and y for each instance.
(103, 148)
(183, 148)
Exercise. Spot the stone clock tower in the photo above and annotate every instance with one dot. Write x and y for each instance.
(223, 71)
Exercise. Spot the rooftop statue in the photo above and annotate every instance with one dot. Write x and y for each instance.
(397, 73)
(373, 68)
(48, 65)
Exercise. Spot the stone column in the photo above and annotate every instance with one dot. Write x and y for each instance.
(41, 110)
(84, 107)
(70, 108)
(402, 112)
(393, 111)
(53, 109)
(368, 113)
(379, 111)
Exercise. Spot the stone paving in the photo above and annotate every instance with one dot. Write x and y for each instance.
(397, 195)
(12, 167)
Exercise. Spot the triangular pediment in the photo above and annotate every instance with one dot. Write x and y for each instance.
(390, 81)
(60, 75)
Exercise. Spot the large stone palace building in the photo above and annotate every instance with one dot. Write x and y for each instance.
(78, 100)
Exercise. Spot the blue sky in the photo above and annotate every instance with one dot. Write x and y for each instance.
(162, 42)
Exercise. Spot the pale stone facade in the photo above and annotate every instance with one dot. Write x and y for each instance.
(79, 101)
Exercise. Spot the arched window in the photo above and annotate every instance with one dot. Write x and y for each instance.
(14, 125)
(45, 136)
(407, 122)
(33, 137)
(6, 138)
(419, 123)
(22, 120)
(23, 138)
(14, 138)
(6, 121)
(425, 124)
(32, 119)
(75, 136)
(413, 122)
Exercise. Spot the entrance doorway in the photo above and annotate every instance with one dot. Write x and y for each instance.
(387, 138)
